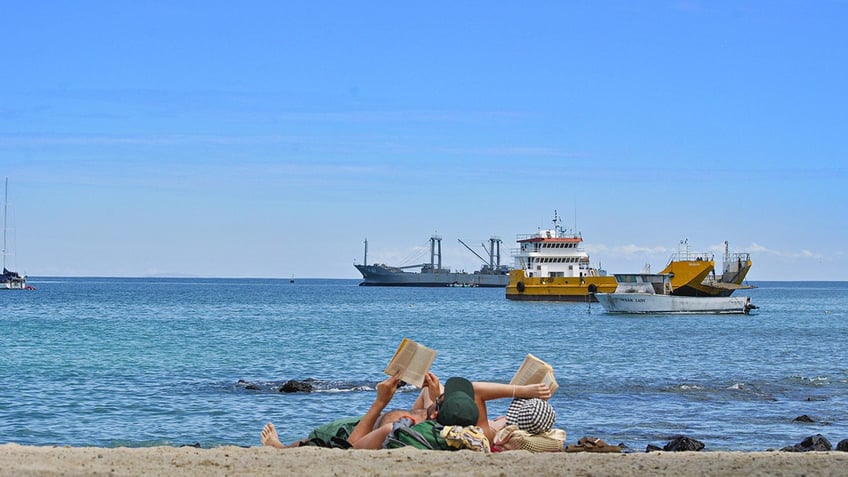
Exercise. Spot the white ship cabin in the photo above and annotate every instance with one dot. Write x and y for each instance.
(550, 253)
(655, 284)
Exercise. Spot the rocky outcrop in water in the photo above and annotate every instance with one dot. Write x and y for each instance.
(813, 443)
(294, 386)
(679, 444)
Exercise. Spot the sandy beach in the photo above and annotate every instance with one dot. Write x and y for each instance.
(188, 461)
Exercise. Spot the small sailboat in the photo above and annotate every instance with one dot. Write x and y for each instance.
(9, 280)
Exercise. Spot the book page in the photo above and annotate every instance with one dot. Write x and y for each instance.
(533, 371)
(413, 360)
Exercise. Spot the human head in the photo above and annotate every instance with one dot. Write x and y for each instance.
(457, 407)
(532, 415)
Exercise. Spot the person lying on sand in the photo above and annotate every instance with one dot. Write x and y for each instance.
(459, 402)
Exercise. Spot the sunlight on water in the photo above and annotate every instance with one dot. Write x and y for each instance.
(137, 362)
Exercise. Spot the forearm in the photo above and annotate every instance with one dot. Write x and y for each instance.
(366, 424)
(488, 391)
(385, 392)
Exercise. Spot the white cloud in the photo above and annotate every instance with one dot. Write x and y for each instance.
(801, 254)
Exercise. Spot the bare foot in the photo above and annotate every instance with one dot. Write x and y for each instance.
(269, 437)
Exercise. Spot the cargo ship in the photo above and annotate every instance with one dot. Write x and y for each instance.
(432, 274)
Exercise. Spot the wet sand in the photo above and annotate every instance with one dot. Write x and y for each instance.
(261, 461)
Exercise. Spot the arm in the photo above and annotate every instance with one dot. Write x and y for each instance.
(488, 391)
(385, 392)
(429, 392)
(484, 391)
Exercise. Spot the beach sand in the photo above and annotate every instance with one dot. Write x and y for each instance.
(189, 461)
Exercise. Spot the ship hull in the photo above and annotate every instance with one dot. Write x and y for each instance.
(641, 303)
(694, 278)
(580, 290)
(376, 275)
(12, 285)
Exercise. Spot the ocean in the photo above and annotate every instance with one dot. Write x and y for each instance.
(147, 361)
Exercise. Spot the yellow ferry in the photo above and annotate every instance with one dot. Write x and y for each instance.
(550, 265)
(693, 274)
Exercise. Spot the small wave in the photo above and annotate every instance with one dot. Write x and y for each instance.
(816, 381)
(688, 387)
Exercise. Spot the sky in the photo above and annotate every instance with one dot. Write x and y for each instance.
(271, 139)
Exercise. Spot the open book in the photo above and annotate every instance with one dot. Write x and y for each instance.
(533, 371)
(413, 360)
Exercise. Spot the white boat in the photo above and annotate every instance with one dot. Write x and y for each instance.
(652, 293)
(9, 280)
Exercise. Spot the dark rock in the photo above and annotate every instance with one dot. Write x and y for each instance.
(803, 418)
(652, 448)
(196, 444)
(842, 445)
(683, 443)
(817, 443)
(813, 443)
(293, 386)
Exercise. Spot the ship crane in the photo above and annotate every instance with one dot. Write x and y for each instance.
(472, 251)
(494, 260)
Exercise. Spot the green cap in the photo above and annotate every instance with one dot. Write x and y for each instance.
(458, 407)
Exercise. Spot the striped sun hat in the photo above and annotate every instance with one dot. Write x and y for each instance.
(532, 415)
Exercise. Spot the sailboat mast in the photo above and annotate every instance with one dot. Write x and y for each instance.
(5, 210)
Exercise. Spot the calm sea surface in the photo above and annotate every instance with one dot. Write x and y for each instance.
(143, 362)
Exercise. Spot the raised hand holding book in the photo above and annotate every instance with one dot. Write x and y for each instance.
(413, 361)
(534, 371)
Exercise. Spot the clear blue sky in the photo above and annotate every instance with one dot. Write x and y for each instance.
(270, 139)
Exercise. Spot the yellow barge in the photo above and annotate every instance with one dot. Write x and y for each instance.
(551, 265)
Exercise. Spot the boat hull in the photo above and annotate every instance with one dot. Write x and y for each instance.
(12, 286)
(377, 275)
(568, 289)
(12, 281)
(641, 303)
(695, 278)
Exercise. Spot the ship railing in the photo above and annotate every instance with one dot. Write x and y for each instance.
(734, 262)
(691, 257)
(545, 251)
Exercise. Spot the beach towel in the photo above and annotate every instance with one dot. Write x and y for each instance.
(331, 432)
(466, 437)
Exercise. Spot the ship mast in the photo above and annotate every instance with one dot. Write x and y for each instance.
(5, 211)
(557, 227)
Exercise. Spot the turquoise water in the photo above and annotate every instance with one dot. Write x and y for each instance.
(141, 362)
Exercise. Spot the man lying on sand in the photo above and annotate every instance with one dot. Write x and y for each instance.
(460, 403)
